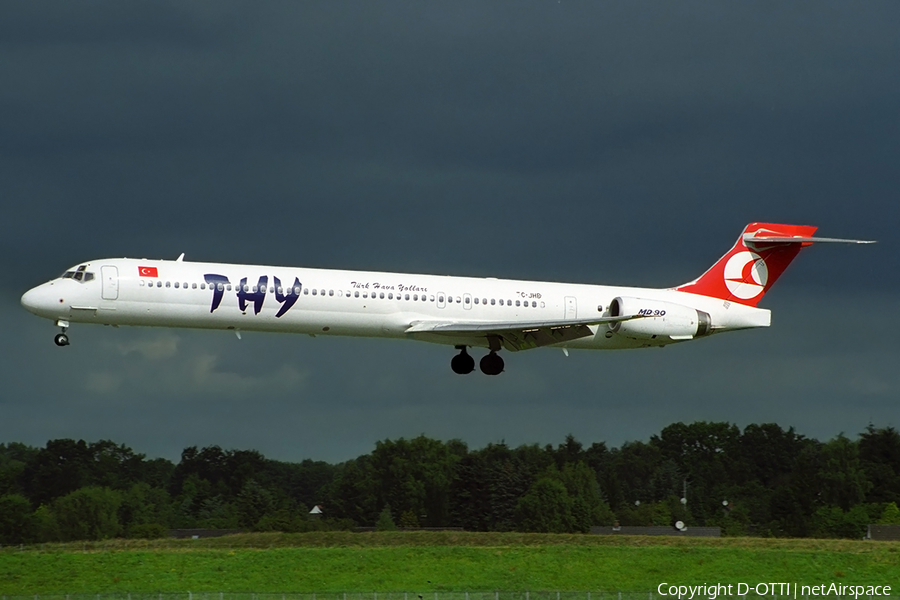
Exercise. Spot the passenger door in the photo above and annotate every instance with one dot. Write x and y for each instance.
(110, 277)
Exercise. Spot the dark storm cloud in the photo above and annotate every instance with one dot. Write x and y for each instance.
(613, 143)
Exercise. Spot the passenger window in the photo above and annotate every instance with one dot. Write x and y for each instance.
(381, 295)
(415, 297)
(228, 287)
(168, 284)
(533, 304)
(219, 286)
(517, 303)
(315, 292)
(177, 285)
(484, 300)
(193, 286)
(297, 290)
(331, 292)
(449, 299)
(476, 300)
(440, 298)
(406, 297)
(356, 294)
(493, 302)
(202, 286)
(390, 296)
(468, 299)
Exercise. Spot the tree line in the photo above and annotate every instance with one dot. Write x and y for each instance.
(763, 481)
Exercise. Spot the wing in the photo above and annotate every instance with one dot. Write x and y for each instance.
(518, 335)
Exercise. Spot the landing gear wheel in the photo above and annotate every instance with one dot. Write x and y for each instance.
(61, 339)
(492, 364)
(462, 363)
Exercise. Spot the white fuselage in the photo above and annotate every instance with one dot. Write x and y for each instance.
(345, 303)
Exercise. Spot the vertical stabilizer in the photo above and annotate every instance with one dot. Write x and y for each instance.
(758, 258)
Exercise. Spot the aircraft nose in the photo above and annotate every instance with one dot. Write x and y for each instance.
(36, 300)
(29, 300)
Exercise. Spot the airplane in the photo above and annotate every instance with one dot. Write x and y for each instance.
(464, 312)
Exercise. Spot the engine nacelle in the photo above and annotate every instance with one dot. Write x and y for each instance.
(659, 319)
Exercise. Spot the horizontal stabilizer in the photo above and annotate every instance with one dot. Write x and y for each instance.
(750, 238)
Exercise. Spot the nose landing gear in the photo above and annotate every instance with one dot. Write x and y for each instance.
(61, 339)
(462, 363)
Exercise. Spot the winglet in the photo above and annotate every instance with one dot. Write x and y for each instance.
(180, 257)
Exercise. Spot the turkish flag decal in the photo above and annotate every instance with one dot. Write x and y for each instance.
(148, 272)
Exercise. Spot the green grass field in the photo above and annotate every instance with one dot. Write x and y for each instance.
(423, 562)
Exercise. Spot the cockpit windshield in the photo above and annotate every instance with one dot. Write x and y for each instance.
(80, 274)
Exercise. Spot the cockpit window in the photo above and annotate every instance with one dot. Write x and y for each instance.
(80, 274)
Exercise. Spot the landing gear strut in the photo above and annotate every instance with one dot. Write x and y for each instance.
(491, 364)
(462, 363)
(62, 339)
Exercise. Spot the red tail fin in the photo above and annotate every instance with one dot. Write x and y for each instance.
(749, 269)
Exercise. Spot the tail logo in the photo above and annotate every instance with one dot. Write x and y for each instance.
(746, 275)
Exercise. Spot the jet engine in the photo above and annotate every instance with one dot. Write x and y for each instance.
(657, 318)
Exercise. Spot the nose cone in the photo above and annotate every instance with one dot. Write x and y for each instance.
(30, 300)
(37, 300)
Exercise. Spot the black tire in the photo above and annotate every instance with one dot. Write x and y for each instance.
(61, 339)
(492, 364)
(462, 363)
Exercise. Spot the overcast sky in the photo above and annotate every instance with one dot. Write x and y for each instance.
(598, 142)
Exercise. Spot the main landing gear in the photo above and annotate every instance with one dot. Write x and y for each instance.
(491, 364)
(463, 364)
(61, 339)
